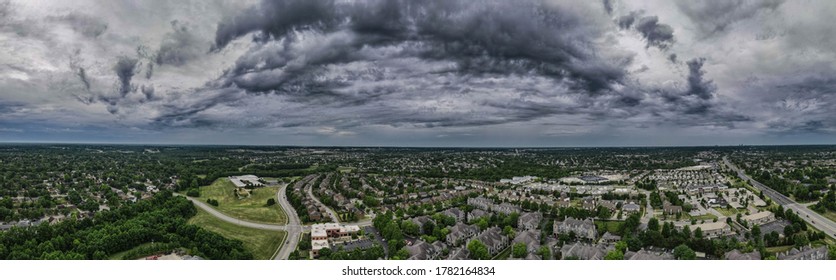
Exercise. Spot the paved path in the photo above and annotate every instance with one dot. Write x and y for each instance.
(812, 217)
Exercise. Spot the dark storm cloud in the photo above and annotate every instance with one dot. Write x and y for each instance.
(712, 17)
(125, 69)
(502, 37)
(697, 85)
(657, 34)
(276, 18)
(179, 46)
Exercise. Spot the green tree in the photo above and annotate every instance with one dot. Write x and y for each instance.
(653, 224)
(410, 228)
(614, 255)
(271, 201)
(519, 250)
(698, 233)
(546, 254)
(478, 250)
(621, 246)
(683, 252)
(324, 253)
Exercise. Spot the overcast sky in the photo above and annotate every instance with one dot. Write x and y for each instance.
(419, 73)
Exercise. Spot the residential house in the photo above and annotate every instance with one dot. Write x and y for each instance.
(670, 209)
(737, 255)
(644, 254)
(425, 251)
(494, 240)
(531, 239)
(476, 214)
(456, 213)
(583, 251)
(630, 207)
(461, 232)
(609, 238)
(529, 220)
(585, 229)
(805, 253)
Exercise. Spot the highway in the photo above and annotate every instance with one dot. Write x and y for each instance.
(812, 217)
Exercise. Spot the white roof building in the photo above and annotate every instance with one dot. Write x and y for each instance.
(243, 180)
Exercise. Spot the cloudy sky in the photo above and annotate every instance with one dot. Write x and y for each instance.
(419, 73)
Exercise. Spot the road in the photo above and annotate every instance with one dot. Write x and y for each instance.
(293, 227)
(330, 211)
(232, 220)
(812, 217)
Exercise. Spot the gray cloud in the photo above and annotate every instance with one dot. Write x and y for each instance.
(608, 6)
(125, 69)
(697, 85)
(179, 46)
(626, 21)
(84, 24)
(657, 34)
(502, 37)
(712, 17)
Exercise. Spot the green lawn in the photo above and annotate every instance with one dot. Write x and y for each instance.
(727, 212)
(251, 209)
(778, 249)
(707, 216)
(261, 243)
(610, 226)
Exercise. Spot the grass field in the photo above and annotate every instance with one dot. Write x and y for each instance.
(727, 212)
(708, 216)
(610, 226)
(778, 249)
(261, 243)
(251, 209)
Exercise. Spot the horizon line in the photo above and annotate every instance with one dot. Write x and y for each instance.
(3, 143)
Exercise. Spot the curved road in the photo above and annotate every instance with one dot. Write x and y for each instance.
(294, 227)
(807, 214)
(334, 217)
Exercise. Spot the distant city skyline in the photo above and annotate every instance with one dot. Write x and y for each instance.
(458, 73)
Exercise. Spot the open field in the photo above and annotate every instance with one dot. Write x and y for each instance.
(261, 243)
(252, 208)
(727, 212)
(707, 216)
(778, 249)
(610, 226)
